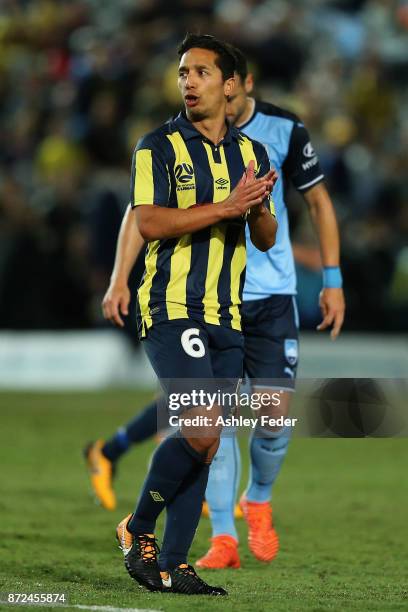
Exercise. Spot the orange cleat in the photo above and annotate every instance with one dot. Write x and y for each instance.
(222, 554)
(123, 536)
(263, 540)
(101, 473)
(140, 553)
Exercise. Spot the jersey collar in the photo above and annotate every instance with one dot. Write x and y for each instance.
(189, 131)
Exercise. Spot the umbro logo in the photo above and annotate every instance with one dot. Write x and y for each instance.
(184, 173)
(221, 181)
(156, 496)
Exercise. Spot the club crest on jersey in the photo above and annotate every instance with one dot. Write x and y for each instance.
(184, 174)
(291, 351)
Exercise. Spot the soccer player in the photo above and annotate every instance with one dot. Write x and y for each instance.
(270, 323)
(193, 186)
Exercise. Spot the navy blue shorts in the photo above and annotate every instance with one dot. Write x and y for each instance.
(270, 329)
(184, 349)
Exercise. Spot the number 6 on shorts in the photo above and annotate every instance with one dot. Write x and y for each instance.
(191, 343)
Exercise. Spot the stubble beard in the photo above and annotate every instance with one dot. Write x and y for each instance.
(194, 115)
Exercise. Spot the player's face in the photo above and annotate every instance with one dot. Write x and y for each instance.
(238, 100)
(201, 84)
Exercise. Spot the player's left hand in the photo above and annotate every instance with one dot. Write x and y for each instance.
(332, 305)
(270, 177)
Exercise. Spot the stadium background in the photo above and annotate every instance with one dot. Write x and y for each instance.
(80, 81)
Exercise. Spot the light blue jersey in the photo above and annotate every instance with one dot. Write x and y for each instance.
(291, 154)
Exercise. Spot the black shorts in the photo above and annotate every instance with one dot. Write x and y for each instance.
(270, 328)
(186, 354)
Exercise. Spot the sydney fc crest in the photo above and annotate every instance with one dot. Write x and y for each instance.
(291, 351)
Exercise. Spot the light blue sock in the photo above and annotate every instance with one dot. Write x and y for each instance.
(267, 455)
(223, 483)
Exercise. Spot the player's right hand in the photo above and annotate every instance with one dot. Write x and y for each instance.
(249, 192)
(116, 303)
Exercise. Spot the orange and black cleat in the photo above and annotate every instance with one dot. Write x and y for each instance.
(101, 474)
(263, 540)
(183, 579)
(140, 553)
(223, 554)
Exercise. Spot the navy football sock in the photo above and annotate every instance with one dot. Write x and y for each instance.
(172, 463)
(140, 428)
(183, 515)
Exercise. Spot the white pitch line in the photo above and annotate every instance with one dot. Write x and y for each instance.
(83, 607)
(111, 609)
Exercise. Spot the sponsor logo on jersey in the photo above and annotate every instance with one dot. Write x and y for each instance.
(309, 164)
(184, 174)
(308, 150)
(291, 351)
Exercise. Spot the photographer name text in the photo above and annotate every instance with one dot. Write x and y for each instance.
(231, 421)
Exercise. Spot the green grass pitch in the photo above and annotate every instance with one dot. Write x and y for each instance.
(340, 507)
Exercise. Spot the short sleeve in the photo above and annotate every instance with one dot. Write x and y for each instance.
(264, 167)
(302, 166)
(150, 179)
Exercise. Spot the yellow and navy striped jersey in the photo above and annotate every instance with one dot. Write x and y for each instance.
(200, 275)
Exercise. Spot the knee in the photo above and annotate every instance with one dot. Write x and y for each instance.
(207, 447)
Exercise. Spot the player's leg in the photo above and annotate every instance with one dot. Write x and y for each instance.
(183, 513)
(226, 358)
(271, 337)
(221, 492)
(267, 447)
(173, 463)
(173, 460)
(267, 451)
(176, 464)
(102, 456)
(142, 427)
(221, 495)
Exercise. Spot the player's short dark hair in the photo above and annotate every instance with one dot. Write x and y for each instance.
(241, 64)
(225, 59)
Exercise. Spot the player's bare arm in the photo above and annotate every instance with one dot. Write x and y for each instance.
(331, 301)
(262, 224)
(158, 223)
(262, 228)
(115, 303)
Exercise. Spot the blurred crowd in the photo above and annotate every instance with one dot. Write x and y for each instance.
(82, 80)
